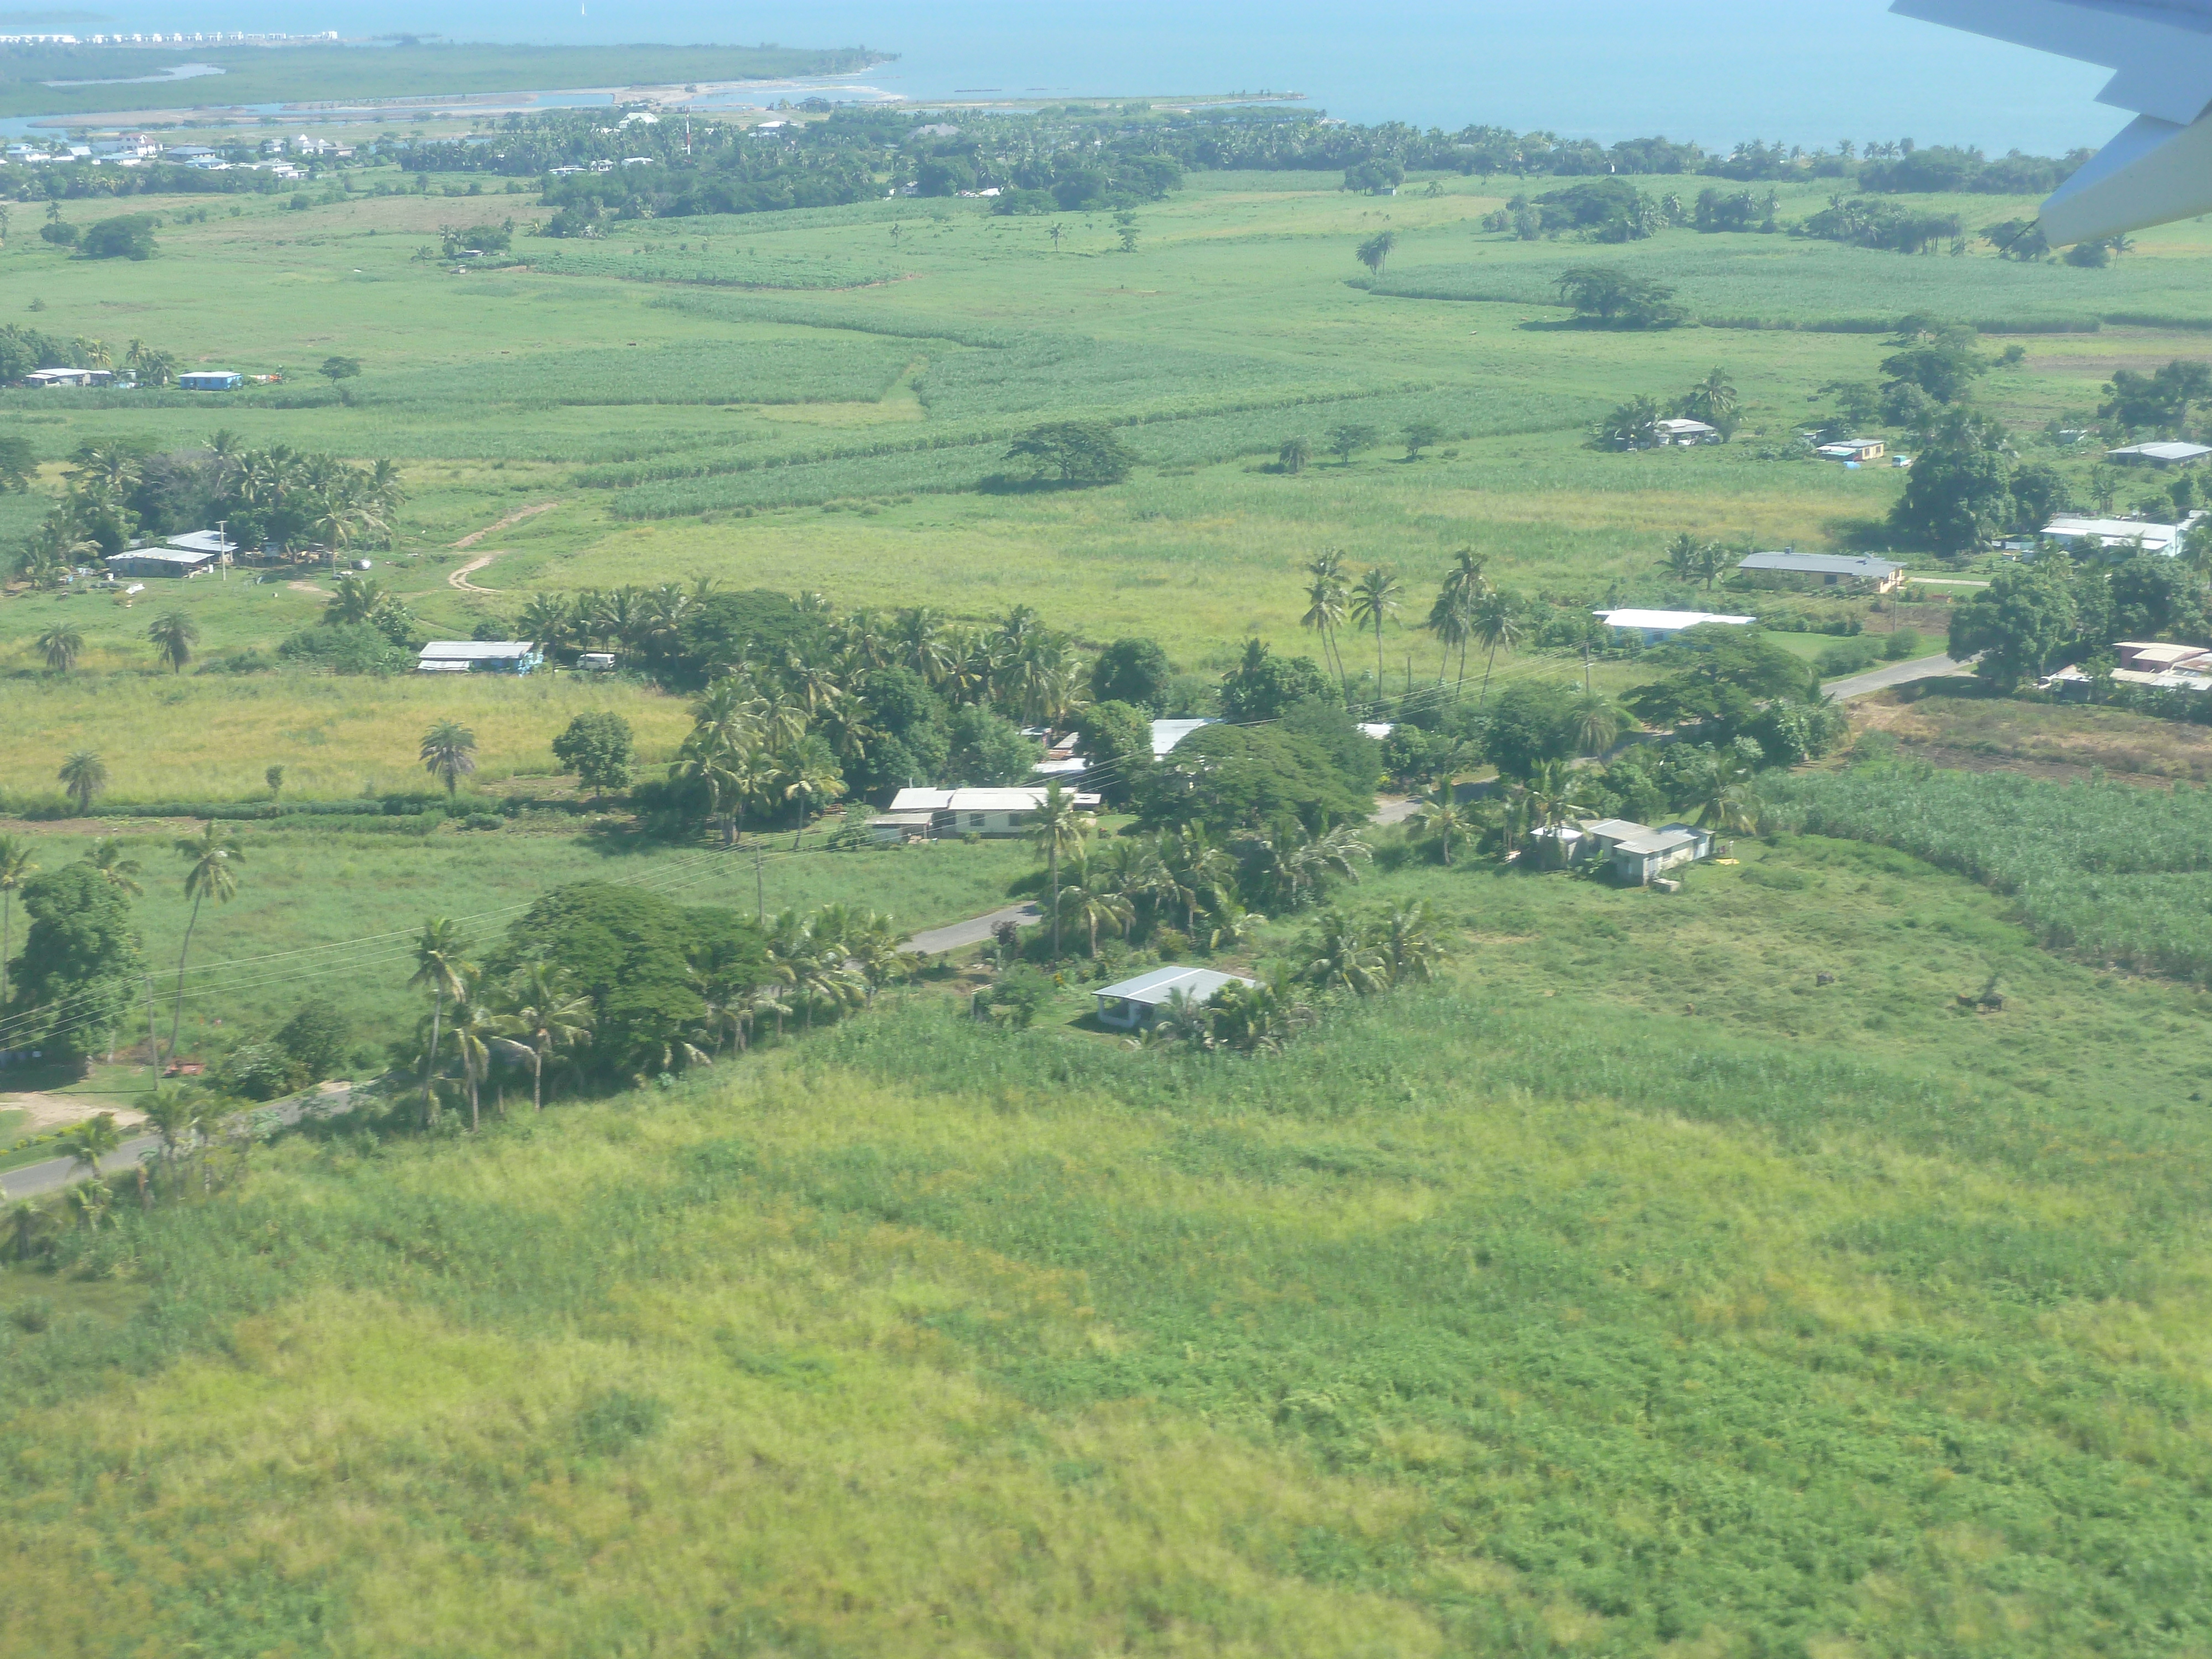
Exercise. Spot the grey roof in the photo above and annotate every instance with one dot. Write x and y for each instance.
(1616, 829)
(1153, 989)
(176, 556)
(478, 651)
(201, 541)
(1166, 734)
(1822, 564)
(1660, 841)
(2164, 452)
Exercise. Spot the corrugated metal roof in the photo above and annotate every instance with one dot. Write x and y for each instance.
(479, 650)
(1153, 988)
(1821, 564)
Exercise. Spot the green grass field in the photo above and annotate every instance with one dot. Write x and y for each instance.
(1613, 1297)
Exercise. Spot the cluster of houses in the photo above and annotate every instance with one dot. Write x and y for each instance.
(2160, 667)
(195, 379)
(1635, 855)
(138, 149)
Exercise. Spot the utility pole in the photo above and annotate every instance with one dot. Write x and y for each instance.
(760, 888)
(153, 1043)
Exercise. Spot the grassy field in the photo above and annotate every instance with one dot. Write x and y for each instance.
(1956, 725)
(833, 438)
(1612, 1296)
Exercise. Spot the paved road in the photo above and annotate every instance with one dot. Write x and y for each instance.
(977, 930)
(35, 1180)
(1896, 673)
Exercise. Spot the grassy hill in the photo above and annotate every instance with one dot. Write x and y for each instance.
(1615, 1295)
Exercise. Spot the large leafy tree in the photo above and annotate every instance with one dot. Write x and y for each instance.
(15, 869)
(80, 963)
(2018, 623)
(1958, 497)
(1081, 452)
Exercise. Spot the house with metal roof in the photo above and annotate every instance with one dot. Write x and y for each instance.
(2159, 455)
(479, 657)
(1166, 734)
(160, 561)
(1854, 451)
(1133, 1003)
(1684, 434)
(1657, 625)
(210, 379)
(2120, 535)
(1859, 572)
(934, 814)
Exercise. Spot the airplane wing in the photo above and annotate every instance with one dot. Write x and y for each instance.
(2160, 54)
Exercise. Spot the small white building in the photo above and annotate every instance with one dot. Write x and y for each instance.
(1857, 572)
(1166, 734)
(1854, 450)
(479, 657)
(1639, 854)
(1131, 1003)
(952, 812)
(160, 561)
(2120, 535)
(1682, 434)
(210, 379)
(2159, 455)
(1658, 625)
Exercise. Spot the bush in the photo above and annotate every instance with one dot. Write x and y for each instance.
(60, 232)
(345, 648)
(1903, 645)
(127, 236)
(315, 1039)
(1018, 996)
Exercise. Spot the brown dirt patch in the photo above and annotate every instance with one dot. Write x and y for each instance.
(45, 1112)
(1955, 727)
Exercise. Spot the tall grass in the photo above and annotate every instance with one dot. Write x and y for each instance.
(2106, 870)
(1425, 1337)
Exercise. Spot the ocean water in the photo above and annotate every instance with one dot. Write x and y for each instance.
(1716, 71)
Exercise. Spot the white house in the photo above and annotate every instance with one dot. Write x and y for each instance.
(479, 657)
(210, 379)
(1133, 1002)
(1684, 434)
(1166, 734)
(1658, 625)
(1639, 854)
(2106, 535)
(1860, 450)
(931, 814)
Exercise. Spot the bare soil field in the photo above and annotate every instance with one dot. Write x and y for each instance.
(1955, 724)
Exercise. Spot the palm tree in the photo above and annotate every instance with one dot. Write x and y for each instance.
(1374, 599)
(1094, 907)
(1343, 957)
(90, 1141)
(440, 968)
(356, 599)
(84, 774)
(1451, 619)
(1410, 940)
(1713, 400)
(544, 1013)
(548, 620)
(1325, 615)
(449, 753)
(1725, 797)
(1192, 871)
(1495, 626)
(1059, 829)
(176, 1115)
(120, 871)
(27, 1224)
(809, 776)
(1550, 800)
(15, 869)
(1444, 822)
(1376, 250)
(1596, 721)
(1684, 558)
(61, 645)
(211, 859)
(174, 633)
(474, 1028)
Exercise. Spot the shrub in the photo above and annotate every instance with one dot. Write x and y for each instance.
(127, 236)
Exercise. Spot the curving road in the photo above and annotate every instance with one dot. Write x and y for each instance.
(1895, 673)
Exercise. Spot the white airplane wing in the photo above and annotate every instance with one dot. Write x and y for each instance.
(2160, 54)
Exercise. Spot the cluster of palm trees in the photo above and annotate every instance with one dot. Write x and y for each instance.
(1132, 885)
(356, 599)
(753, 752)
(173, 633)
(277, 492)
(818, 966)
(1468, 610)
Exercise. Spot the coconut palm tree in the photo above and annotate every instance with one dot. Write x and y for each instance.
(1327, 598)
(28, 1225)
(1343, 958)
(1193, 872)
(442, 969)
(1375, 600)
(1596, 721)
(174, 633)
(90, 1141)
(1714, 401)
(1496, 627)
(548, 620)
(1451, 619)
(475, 1029)
(1095, 906)
(61, 645)
(84, 774)
(15, 869)
(1554, 795)
(809, 776)
(543, 1014)
(176, 1115)
(118, 870)
(1412, 941)
(1444, 822)
(211, 861)
(1058, 830)
(449, 753)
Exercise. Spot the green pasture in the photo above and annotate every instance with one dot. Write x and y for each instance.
(1622, 1293)
(844, 440)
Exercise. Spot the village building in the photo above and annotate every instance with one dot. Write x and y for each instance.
(1657, 626)
(1853, 451)
(1855, 573)
(938, 814)
(1134, 1003)
(2160, 455)
(1684, 434)
(479, 657)
(2120, 535)
(210, 379)
(162, 562)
